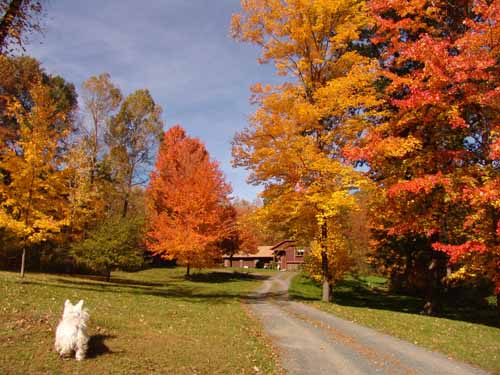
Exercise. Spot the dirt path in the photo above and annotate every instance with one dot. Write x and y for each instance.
(316, 343)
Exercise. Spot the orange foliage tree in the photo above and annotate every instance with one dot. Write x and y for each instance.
(243, 233)
(187, 201)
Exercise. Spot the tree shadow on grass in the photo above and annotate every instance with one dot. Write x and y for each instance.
(176, 287)
(356, 293)
(202, 277)
(166, 290)
(97, 345)
(101, 286)
(114, 280)
(224, 277)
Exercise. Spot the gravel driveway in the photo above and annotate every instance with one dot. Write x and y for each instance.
(313, 342)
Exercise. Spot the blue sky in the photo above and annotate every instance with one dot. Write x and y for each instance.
(179, 49)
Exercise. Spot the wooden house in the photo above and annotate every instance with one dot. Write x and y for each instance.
(285, 254)
(261, 259)
(288, 255)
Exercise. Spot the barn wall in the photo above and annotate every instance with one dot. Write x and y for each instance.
(290, 260)
(291, 255)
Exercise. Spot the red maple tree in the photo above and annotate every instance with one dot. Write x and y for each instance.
(187, 200)
(438, 153)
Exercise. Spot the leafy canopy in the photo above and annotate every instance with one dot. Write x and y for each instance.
(188, 200)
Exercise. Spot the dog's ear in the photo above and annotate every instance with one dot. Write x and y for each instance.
(79, 305)
(67, 303)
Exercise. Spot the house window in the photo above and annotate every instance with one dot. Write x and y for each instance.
(299, 252)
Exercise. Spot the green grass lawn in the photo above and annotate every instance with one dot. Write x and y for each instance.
(148, 322)
(467, 335)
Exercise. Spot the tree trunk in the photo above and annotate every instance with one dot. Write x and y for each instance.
(188, 269)
(127, 194)
(498, 304)
(93, 170)
(27, 220)
(327, 285)
(396, 282)
(23, 260)
(327, 291)
(108, 273)
(95, 149)
(231, 261)
(433, 305)
(125, 206)
(13, 11)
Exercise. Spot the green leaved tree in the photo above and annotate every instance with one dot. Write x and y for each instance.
(114, 244)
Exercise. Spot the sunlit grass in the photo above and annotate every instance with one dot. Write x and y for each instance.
(149, 322)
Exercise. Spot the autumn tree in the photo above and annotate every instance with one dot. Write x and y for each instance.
(242, 234)
(33, 185)
(339, 259)
(294, 144)
(232, 241)
(19, 17)
(132, 137)
(19, 75)
(92, 189)
(437, 153)
(249, 231)
(188, 200)
(101, 98)
(108, 163)
(90, 200)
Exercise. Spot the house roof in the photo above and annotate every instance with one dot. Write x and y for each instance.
(262, 252)
(280, 244)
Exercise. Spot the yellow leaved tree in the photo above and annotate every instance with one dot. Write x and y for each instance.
(295, 140)
(33, 182)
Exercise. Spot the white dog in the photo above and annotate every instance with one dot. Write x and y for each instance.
(71, 333)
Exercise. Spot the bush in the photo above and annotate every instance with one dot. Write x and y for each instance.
(115, 243)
